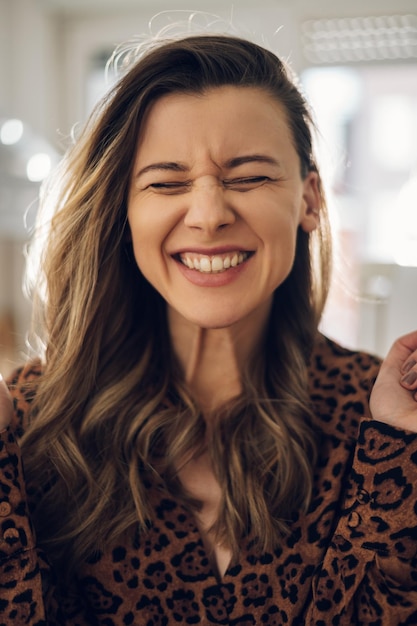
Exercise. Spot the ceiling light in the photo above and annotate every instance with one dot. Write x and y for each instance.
(38, 167)
(11, 132)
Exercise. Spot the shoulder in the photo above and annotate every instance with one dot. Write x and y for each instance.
(330, 360)
(22, 384)
(340, 384)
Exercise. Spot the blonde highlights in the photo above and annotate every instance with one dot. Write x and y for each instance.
(112, 414)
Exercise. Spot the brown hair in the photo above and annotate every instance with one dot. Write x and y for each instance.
(112, 396)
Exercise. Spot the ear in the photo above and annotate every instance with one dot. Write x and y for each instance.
(311, 203)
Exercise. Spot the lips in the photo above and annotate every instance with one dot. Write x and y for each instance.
(213, 264)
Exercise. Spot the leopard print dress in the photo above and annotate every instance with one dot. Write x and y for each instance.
(351, 559)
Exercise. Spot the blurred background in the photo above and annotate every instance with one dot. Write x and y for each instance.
(357, 62)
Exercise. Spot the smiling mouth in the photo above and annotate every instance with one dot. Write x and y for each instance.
(213, 264)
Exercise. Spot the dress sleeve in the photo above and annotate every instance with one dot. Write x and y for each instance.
(369, 573)
(21, 600)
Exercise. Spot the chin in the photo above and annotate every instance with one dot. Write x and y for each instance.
(214, 322)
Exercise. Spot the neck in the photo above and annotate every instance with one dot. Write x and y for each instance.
(213, 359)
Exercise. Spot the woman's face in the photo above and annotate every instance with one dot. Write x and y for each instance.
(215, 201)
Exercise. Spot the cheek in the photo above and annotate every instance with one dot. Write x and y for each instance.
(141, 243)
(144, 229)
(278, 231)
(146, 259)
(147, 241)
(151, 222)
(279, 243)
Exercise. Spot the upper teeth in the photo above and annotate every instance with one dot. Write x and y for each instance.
(213, 264)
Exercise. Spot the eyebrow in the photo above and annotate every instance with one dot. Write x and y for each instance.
(251, 158)
(164, 166)
(172, 166)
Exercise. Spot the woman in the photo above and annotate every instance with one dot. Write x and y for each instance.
(195, 451)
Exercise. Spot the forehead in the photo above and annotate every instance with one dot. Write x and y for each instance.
(227, 117)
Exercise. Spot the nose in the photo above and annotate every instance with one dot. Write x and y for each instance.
(207, 208)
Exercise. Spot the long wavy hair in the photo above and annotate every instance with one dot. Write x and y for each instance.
(112, 412)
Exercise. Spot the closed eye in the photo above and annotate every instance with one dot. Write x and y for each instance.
(170, 187)
(246, 183)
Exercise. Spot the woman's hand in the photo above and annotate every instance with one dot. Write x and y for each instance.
(394, 395)
(6, 405)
